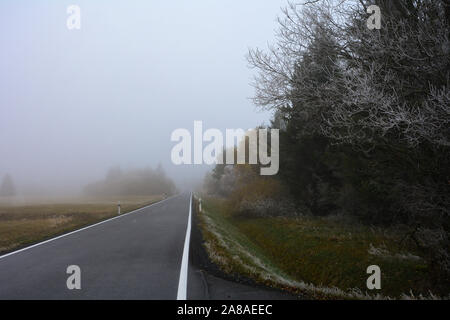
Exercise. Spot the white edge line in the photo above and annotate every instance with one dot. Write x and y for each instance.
(182, 284)
(87, 227)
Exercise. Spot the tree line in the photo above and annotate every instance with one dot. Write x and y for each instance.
(138, 182)
(364, 119)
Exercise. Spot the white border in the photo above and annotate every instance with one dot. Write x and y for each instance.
(182, 283)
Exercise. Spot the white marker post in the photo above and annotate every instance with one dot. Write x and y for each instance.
(118, 208)
(200, 204)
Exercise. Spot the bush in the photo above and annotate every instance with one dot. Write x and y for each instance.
(266, 207)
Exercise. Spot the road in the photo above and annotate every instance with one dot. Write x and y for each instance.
(134, 256)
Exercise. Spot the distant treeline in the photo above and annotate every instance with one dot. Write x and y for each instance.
(133, 182)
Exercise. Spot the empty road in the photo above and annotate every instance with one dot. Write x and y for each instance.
(134, 256)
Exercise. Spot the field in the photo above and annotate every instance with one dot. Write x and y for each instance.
(321, 257)
(35, 220)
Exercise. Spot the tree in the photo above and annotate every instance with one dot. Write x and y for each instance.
(384, 93)
(367, 111)
(7, 188)
(114, 174)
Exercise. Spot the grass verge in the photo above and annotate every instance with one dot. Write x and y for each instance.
(321, 257)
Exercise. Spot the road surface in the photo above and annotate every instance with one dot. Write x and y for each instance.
(134, 256)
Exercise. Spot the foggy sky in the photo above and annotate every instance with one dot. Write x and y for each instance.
(75, 103)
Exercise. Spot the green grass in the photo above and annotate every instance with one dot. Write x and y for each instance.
(22, 225)
(326, 253)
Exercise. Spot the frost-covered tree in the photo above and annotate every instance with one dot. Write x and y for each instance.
(367, 111)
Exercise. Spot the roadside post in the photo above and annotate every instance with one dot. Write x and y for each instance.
(118, 208)
(200, 204)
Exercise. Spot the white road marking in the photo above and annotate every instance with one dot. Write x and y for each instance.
(75, 231)
(182, 284)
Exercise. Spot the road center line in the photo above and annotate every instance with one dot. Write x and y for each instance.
(182, 284)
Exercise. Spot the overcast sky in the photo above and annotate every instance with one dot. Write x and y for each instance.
(74, 103)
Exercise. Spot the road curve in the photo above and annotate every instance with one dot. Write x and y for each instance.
(137, 256)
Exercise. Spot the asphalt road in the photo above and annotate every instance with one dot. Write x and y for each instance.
(135, 256)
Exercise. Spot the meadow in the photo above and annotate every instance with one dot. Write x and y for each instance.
(323, 258)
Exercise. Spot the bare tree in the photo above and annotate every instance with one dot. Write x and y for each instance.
(374, 83)
(7, 188)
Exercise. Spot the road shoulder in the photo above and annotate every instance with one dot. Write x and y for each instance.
(218, 285)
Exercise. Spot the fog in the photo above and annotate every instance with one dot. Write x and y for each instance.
(74, 103)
